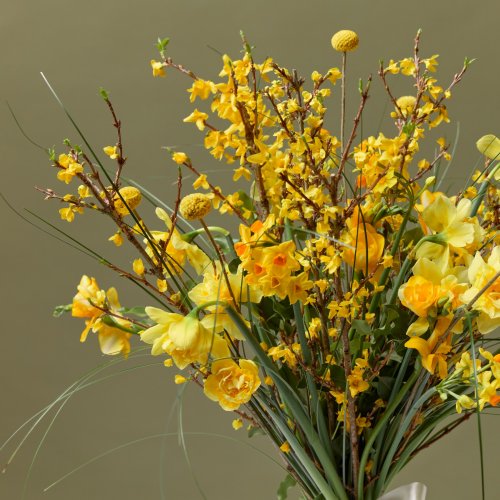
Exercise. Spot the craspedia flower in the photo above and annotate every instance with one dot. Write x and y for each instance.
(406, 104)
(345, 41)
(195, 206)
(132, 197)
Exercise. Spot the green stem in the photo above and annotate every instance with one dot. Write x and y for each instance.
(478, 410)
(292, 401)
(399, 436)
(379, 427)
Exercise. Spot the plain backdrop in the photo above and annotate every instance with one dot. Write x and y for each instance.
(82, 45)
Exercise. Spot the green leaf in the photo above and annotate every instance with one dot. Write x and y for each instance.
(60, 310)
(247, 201)
(362, 327)
(136, 311)
(384, 387)
(413, 235)
(255, 431)
(285, 485)
(233, 265)
(337, 375)
(104, 93)
(162, 43)
(409, 128)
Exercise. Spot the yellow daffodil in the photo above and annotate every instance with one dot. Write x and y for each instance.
(184, 338)
(488, 304)
(92, 302)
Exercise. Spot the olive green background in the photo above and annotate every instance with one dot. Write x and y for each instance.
(82, 45)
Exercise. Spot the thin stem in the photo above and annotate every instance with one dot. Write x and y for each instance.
(342, 107)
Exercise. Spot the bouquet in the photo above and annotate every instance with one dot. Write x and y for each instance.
(347, 316)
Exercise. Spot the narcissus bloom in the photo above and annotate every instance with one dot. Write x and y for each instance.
(90, 302)
(488, 304)
(231, 384)
(182, 337)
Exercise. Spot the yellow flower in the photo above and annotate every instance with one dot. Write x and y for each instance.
(138, 267)
(202, 182)
(198, 118)
(488, 304)
(179, 158)
(161, 285)
(201, 89)
(214, 287)
(231, 384)
(345, 41)
(182, 337)
(179, 379)
(419, 295)
(88, 303)
(111, 151)
(68, 213)
(177, 250)
(132, 197)
(368, 246)
(285, 447)
(84, 191)
(237, 424)
(489, 146)
(158, 68)
(88, 294)
(117, 239)
(69, 168)
(434, 356)
(407, 66)
(406, 104)
(195, 206)
(356, 382)
(449, 220)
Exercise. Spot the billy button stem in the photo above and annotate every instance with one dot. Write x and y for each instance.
(195, 206)
(344, 41)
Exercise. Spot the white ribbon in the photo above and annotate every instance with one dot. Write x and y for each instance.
(412, 491)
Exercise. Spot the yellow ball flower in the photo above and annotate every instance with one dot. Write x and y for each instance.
(345, 41)
(132, 197)
(195, 206)
(406, 104)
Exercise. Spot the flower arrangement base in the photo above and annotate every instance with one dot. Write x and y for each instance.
(412, 491)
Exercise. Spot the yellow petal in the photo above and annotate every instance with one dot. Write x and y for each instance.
(489, 146)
